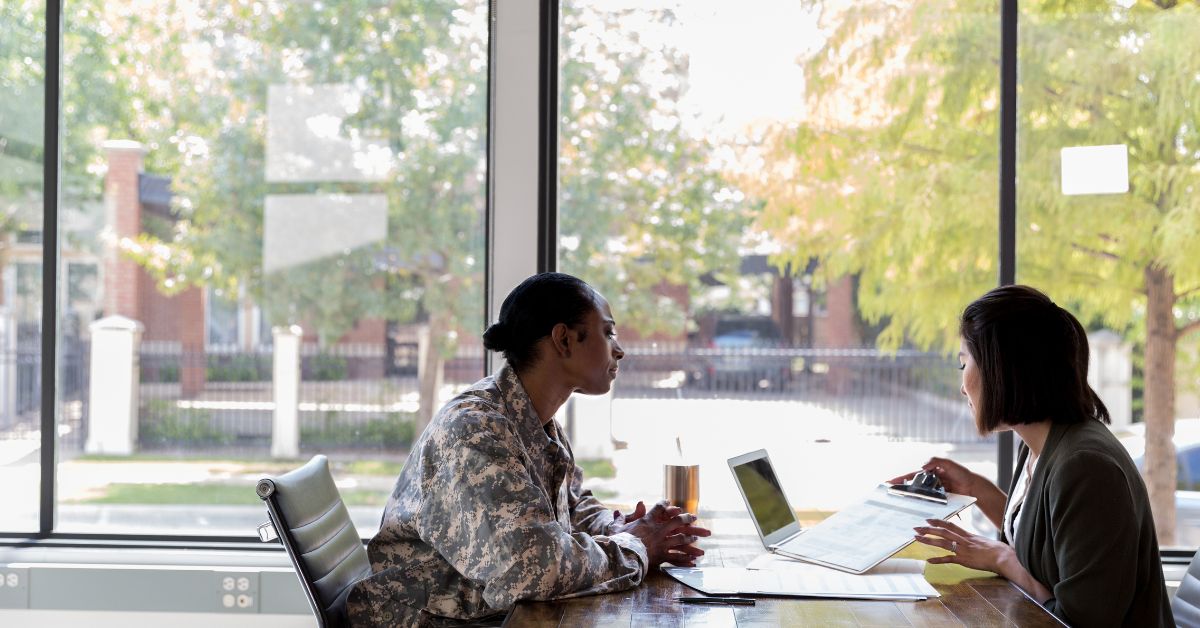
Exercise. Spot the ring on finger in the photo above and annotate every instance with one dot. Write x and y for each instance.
(954, 546)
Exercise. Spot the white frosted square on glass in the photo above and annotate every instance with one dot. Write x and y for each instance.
(301, 228)
(1095, 169)
(307, 139)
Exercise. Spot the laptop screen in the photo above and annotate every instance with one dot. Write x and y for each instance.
(767, 504)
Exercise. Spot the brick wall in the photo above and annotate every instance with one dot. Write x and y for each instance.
(123, 209)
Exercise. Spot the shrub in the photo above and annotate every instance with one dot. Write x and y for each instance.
(161, 422)
(326, 368)
(158, 371)
(396, 430)
(236, 368)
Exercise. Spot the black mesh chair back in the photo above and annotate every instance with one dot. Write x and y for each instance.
(308, 515)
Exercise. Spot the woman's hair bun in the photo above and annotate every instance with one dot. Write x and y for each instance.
(496, 337)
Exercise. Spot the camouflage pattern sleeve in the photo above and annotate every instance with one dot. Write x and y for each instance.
(587, 513)
(485, 515)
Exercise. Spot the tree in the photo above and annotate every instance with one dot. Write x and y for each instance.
(195, 92)
(22, 78)
(893, 175)
(642, 205)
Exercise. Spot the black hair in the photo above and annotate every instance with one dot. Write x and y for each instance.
(532, 309)
(1033, 360)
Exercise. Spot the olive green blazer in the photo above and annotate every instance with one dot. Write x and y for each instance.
(1086, 533)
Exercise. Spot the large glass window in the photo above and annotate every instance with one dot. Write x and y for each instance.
(788, 208)
(1109, 175)
(22, 87)
(310, 172)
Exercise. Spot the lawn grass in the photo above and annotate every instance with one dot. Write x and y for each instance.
(597, 468)
(208, 494)
(380, 467)
(386, 468)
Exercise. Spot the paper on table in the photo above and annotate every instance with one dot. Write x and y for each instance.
(902, 579)
(767, 560)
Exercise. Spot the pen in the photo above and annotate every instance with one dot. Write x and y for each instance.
(741, 601)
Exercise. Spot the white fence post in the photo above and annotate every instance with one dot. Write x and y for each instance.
(10, 360)
(285, 427)
(1110, 372)
(113, 395)
(592, 422)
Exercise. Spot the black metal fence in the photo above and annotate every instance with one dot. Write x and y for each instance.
(905, 395)
(350, 398)
(21, 390)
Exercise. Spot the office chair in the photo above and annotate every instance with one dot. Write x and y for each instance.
(1186, 603)
(307, 514)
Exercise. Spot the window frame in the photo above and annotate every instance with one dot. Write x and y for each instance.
(520, 221)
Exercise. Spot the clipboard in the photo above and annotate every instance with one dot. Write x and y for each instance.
(866, 533)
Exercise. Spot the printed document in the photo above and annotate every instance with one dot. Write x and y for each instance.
(897, 579)
(864, 534)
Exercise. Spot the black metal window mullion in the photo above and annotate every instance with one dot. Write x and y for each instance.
(49, 345)
(489, 200)
(1008, 190)
(547, 236)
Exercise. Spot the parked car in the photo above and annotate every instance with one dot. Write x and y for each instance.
(1187, 475)
(744, 356)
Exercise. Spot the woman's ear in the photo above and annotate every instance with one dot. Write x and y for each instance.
(560, 338)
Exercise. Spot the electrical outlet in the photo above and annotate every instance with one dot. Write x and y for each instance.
(14, 587)
(237, 591)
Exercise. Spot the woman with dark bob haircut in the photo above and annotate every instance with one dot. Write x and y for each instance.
(489, 508)
(1076, 531)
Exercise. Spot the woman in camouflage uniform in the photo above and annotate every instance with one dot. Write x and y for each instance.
(488, 509)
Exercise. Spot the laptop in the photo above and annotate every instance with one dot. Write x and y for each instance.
(854, 539)
(770, 510)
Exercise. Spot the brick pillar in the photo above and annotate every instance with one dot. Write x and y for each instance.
(190, 307)
(782, 300)
(841, 330)
(123, 218)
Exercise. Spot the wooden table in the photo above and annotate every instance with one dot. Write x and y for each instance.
(969, 598)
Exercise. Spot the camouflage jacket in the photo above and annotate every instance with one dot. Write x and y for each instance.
(487, 511)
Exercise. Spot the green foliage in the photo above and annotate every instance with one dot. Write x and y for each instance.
(899, 157)
(193, 88)
(642, 206)
(376, 467)
(237, 368)
(22, 78)
(892, 176)
(208, 493)
(597, 468)
(159, 372)
(162, 423)
(394, 431)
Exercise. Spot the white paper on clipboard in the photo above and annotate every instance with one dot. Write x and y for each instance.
(866, 533)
